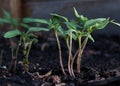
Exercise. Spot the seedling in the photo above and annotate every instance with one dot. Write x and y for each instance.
(27, 38)
(55, 25)
(7, 19)
(79, 29)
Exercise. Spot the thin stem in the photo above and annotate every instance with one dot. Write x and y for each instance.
(73, 59)
(60, 53)
(25, 60)
(70, 54)
(67, 42)
(11, 63)
(27, 55)
(80, 53)
(29, 48)
(72, 62)
(15, 60)
(84, 44)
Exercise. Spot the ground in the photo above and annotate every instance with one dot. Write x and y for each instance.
(100, 64)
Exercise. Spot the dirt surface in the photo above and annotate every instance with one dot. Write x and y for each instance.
(100, 64)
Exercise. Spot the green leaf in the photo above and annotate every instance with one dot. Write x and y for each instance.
(91, 38)
(59, 16)
(61, 31)
(36, 29)
(32, 20)
(118, 24)
(2, 21)
(101, 25)
(93, 22)
(68, 33)
(76, 13)
(12, 33)
(72, 24)
(25, 25)
(86, 34)
(15, 22)
(80, 18)
(6, 14)
(54, 23)
(74, 36)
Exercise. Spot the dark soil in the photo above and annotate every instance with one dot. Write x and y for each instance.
(100, 64)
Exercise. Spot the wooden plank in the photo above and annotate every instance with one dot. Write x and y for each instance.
(15, 8)
(5, 5)
(12, 6)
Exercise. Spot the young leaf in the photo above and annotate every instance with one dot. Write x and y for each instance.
(25, 25)
(36, 29)
(76, 13)
(59, 16)
(74, 36)
(31, 20)
(101, 25)
(80, 18)
(92, 22)
(61, 31)
(68, 33)
(6, 14)
(54, 23)
(12, 33)
(2, 21)
(91, 38)
(118, 24)
(72, 24)
(15, 22)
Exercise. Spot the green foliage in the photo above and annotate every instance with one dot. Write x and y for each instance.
(32, 20)
(36, 29)
(27, 37)
(6, 14)
(59, 16)
(12, 33)
(79, 29)
(118, 24)
(98, 23)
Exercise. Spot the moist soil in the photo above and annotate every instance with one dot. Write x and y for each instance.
(100, 64)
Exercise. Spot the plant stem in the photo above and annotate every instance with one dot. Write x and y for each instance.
(67, 39)
(25, 60)
(60, 53)
(80, 54)
(70, 54)
(29, 48)
(15, 60)
(27, 55)
(72, 62)
(11, 63)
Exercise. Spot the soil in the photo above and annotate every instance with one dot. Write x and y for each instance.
(100, 64)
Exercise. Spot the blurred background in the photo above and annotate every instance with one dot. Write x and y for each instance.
(88, 8)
